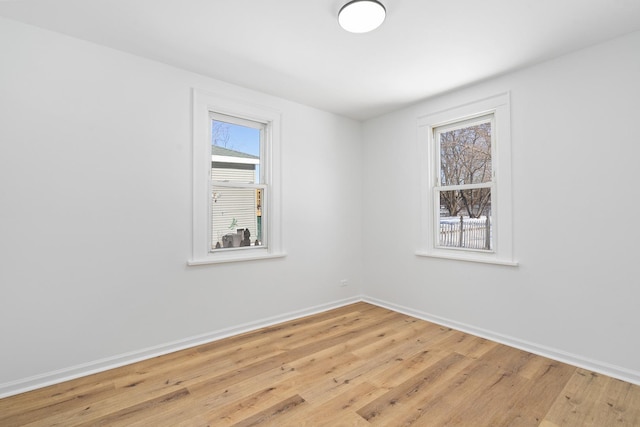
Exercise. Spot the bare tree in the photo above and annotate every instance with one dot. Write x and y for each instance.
(476, 202)
(220, 134)
(465, 158)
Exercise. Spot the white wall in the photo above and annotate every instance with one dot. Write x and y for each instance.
(575, 198)
(95, 211)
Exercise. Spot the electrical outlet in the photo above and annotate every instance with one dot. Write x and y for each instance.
(343, 283)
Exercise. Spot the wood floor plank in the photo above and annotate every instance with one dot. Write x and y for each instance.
(386, 368)
(316, 380)
(460, 394)
(530, 403)
(358, 365)
(340, 409)
(23, 413)
(610, 409)
(143, 411)
(482, 407)
(411, 331)
(115, 401)
(359, 323)
(492, 378)
(390, 407)
(249, 406)
(576, 400)
(397, 370)
(628, 408)
(529, 398)
(591, 399)
(276, 415)
(216, 406)
(466, 344)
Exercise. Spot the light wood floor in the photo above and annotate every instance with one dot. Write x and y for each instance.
(358, 365)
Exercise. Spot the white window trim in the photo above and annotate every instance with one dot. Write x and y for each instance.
(502, 252)
(203, 104)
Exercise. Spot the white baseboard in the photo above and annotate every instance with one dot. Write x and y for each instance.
(55, 377)
(551, 353)
(49, 378)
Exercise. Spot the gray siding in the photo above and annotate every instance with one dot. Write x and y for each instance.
(233, 175)
(237, 204)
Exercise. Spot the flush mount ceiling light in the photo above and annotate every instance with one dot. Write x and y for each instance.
(361, 16)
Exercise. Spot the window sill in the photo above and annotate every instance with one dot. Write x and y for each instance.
(234, 257)
(468, 257)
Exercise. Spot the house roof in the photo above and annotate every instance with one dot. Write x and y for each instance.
(216, 150)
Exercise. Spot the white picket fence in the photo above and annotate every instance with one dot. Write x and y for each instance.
(470, 233)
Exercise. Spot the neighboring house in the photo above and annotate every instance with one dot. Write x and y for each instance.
(234, 208)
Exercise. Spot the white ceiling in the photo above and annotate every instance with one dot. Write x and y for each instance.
(296, 50)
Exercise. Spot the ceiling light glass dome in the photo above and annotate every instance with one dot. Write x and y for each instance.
(361, 16)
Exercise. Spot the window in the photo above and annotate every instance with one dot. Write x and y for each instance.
(466, 182)
(236, 206)
(464, 169)
(237, 184)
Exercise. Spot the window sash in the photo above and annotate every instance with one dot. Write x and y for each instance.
(437, 224)
(265, 138)
(259, 230)
(471, 120)
(457, 125)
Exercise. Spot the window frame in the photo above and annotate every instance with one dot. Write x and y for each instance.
(204, 104)
(498, 107)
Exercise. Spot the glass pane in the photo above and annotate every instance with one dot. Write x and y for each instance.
(236, 217)
(465, 155)
(465, 219)
(235, 152)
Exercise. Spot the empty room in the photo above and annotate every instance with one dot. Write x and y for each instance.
(319, 213)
